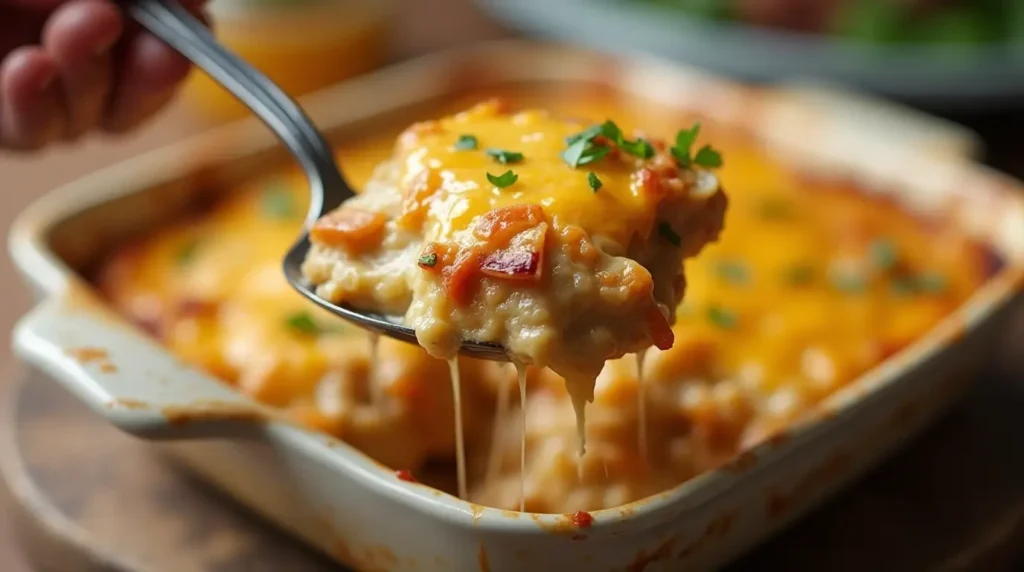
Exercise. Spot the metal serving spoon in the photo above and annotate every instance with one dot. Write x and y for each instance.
(167, 20)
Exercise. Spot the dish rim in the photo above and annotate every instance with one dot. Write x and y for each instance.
(28, 244)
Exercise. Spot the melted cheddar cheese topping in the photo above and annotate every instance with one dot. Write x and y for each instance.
(530, 144)
(811, 284)
(561, 268)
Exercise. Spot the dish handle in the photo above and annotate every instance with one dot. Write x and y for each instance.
(129, 379)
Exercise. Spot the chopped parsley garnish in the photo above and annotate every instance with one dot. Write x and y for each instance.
(594, 182)
(685, 138)
(583, 147)
(303, 323)
(931, 283)
(722, 317)
(706, 156)
(186, 253)
(903, 286)
(465, 143)
(587, 134)
(927, 283)
(584, 152)
(428, 260)
(637, 148)
(733, 272)
(503, 180)
(883, 254)
(799, 274)
(278, 203)
(504, 157)
(669, 234)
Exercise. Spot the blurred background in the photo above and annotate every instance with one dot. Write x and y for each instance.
(962, 59)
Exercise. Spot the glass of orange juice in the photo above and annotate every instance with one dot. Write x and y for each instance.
(302, 45)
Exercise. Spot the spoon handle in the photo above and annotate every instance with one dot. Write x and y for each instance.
(169, 21)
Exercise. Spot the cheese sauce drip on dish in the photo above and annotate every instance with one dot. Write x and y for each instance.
(559, 240)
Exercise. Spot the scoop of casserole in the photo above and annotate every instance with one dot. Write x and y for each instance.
(563, 243)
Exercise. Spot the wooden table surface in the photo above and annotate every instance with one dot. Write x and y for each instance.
(422, 27)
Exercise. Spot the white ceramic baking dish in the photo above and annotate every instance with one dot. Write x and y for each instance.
(355, 510)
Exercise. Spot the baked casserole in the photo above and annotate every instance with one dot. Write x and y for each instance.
(810, 285)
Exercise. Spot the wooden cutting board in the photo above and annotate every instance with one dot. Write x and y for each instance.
(88, 498)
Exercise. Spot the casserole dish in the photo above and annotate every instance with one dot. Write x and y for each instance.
(353, 508)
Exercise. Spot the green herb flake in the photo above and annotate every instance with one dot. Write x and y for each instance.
(594, 182)
(505, 157)
(669, 234)
(612, 131)
(733, 272)
(583, 152)
(902, 287)
(503, 180)
(428, 260)
(186, 253)
(303, 323)
(584, 149)
(586, 135)
(278, 203)
(883, 254)
(639, 148)
(723, 317)
(708, 158)
(685, 138)
(799, 274)
(926, 283)
(931, 283)
(465, 143)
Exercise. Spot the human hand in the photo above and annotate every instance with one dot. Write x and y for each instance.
(69, 67)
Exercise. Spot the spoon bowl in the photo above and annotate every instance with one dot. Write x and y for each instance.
(169, 21)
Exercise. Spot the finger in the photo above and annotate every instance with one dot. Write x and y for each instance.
(149, 72)
(80, 37)
(30, 106)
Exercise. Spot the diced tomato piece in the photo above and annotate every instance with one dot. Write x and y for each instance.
(522, 260)
(650, 182)
(661, 331)
(512, 264)
(197, 307)
(460, 277)
(354, 229)
(405, 475)
(498, 226)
